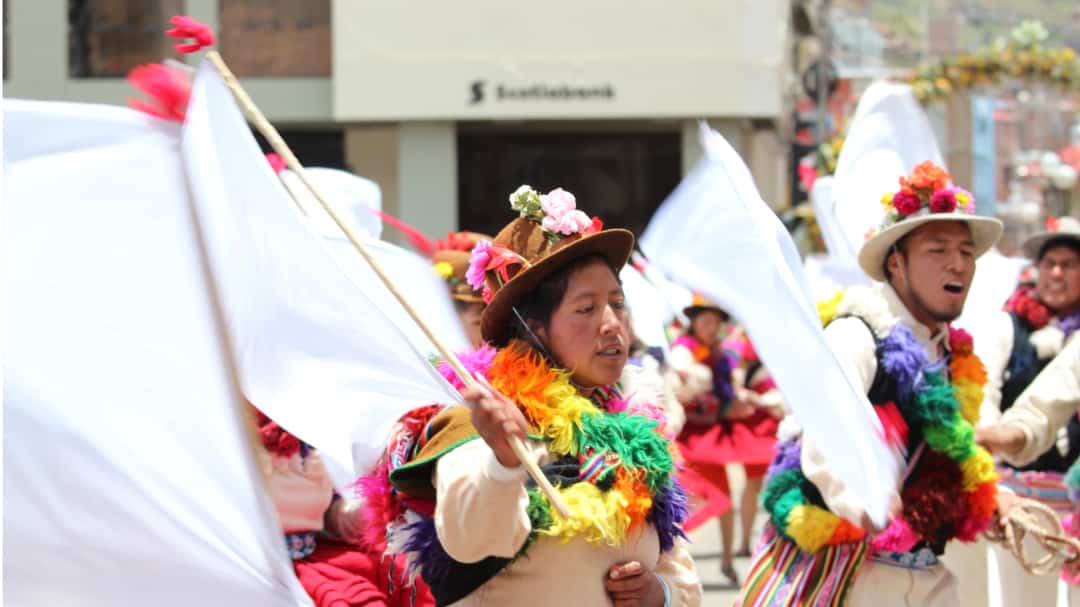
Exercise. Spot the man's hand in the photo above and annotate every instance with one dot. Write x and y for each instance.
(1006, 501)
(631, 585)
(740, 409)
(1001, 438)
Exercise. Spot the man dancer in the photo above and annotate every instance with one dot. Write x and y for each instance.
(925, 383)
(1039, 321)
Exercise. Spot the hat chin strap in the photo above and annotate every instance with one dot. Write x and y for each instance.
(535, 342)
(533, 338)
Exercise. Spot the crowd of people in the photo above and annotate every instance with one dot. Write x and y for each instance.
(637, 438)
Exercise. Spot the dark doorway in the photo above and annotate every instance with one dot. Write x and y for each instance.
(620, 176)
(314, 148)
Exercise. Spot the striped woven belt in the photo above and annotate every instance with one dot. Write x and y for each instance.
(922, 559)
(1047, 487)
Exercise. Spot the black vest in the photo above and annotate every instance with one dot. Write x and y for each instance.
(1024, 365)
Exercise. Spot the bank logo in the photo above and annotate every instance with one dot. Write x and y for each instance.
(476, 90)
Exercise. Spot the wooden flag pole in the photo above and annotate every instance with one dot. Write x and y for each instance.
(261, 124)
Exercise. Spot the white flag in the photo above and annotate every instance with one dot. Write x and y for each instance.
(129, 473)
(355, 198)
(316, 350)
(715, 235)
(889, 134)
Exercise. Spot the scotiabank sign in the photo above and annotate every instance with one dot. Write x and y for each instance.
(487, 60)
(482, 91)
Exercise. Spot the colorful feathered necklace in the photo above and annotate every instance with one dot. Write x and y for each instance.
(622, 461)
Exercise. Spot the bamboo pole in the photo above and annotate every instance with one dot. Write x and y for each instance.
(259, 120)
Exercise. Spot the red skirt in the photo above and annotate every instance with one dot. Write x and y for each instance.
(343, 575)
(706, 450)
(750, 441)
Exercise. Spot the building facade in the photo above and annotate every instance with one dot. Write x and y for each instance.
(450, 106)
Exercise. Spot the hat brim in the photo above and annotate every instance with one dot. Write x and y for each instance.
(692, 311)
(985, 231)
(1033, 245)
(466, 298)
(614, 245)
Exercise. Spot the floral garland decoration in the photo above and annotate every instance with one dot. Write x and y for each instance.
(1048, 332)
(1021, 56)
(625, 464)
(952, 490)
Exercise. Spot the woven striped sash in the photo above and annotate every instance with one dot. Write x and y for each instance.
(784, 576)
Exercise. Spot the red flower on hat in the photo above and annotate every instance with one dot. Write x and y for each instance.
(168, 88)
(186, 27)
(597, 225)
(943, 201)
(906, 202)
(457, 241)
(500, 259)
(1052, 224)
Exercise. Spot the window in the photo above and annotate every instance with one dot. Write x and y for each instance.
(106, 38)
(279, 38)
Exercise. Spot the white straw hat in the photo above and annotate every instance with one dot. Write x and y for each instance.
(1064, 227)
(925, 196)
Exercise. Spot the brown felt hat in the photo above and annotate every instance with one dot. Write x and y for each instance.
(455, 254)
(453, 273)
(533, 253)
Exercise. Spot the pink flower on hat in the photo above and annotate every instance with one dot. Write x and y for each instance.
(488, 256)
(561, 215)
(943, 201)
(965, 200)
(478, 262)
(906, 202)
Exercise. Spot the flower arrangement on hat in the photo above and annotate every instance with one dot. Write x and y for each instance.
(451, 260)
(928, 187)
(926, 195)
(559, 218)
(556, 212)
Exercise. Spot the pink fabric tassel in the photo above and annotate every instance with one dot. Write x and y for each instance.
(898, 537)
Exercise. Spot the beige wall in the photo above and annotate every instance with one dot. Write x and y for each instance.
(415, 165)
(38, 65)
(681, 58)
(760, 146)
